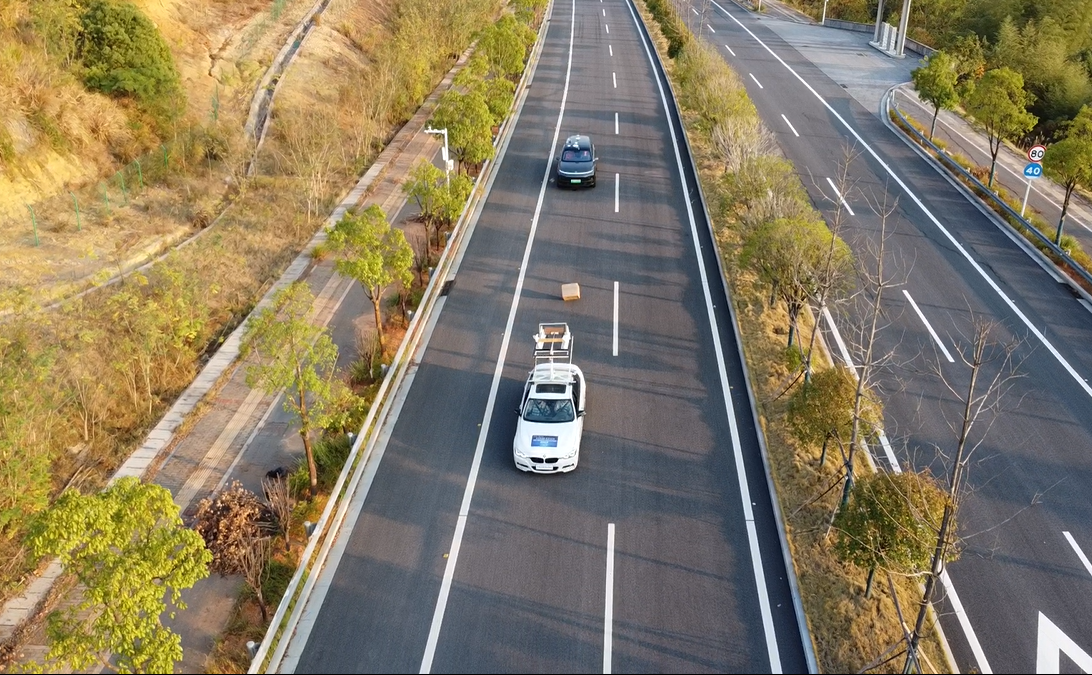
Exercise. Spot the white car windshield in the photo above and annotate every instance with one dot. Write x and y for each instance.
(549, 410)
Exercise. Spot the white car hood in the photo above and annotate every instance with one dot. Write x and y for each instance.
(555, 439)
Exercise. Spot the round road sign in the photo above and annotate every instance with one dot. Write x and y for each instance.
(1033, 170)
(1036, 153)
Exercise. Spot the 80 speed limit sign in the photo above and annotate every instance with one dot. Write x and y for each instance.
(1036, 153)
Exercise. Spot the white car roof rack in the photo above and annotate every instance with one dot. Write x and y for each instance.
(553, 343)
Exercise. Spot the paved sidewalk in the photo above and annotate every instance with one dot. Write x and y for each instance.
(239, 433)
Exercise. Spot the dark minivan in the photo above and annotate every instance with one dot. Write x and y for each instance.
(576, 166)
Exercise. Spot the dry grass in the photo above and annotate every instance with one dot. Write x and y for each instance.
(849, 631)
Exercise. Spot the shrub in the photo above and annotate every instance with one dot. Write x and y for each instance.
(124, 55)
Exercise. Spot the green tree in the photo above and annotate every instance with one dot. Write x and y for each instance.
(789, 254)
(890, 523)
(469, 124)
(936, 83)
(999, 103)
(969, 59)
(26, 408)
(377, 255)
(1069, 163)
(293, 354)
(128, 548)
(425, 187)
(505, 46)
(453, 200)
(822, 409)
(123, 54)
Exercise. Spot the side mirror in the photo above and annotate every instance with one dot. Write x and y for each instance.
(579, 413)
(517, 411)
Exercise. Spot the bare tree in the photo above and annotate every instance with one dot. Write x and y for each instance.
(993, 370)
(874, 283)
(833, 277)
(254, 561)
(310, 149)
(275, 488)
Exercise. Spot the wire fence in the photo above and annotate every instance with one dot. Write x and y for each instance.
(92, 204)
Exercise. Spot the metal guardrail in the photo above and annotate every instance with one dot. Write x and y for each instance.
(950, 163)
(281, 629)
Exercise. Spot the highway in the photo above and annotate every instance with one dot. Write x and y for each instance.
(1017, 599)
(661, 551)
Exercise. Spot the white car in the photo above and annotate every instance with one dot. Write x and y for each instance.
(551, 419)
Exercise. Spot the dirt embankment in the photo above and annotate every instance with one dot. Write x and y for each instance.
(85, 188)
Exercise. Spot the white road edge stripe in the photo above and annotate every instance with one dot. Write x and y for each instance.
(472, 479)
(616, 124)
(929, 214)
(616, 181)
(840, 197)
(608, 605)
(756, 80)
(710, 28)
(972, 639)
(791, 127)
(615, 345)
(737, 451)
(1078, 551)
(610, 48)
(928, 326)
(614, 79)
(729, 50)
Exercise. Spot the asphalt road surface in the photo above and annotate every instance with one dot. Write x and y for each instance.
(661, 551)
(1017, 599)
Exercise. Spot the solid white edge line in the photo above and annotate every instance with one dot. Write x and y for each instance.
(608, 605)
(1016, 174)
(737, 451)
(615, 347)
(928, 326)
(616, 182)
(840, 197)
(729, 50)
(889, 452)
(928, 214)
(472, 478)
(791, 127)
(1078, 551)
(983, 664)
(756, 80)
(961, 614)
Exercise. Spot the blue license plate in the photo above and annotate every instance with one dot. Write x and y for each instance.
(543, 441)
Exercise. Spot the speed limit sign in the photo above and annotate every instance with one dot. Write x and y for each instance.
(1036, 153)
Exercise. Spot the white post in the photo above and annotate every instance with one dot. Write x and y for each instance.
(1025, 204)
(823, 21)
(442, 132)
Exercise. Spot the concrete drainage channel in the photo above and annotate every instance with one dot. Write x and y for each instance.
(262, 103)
